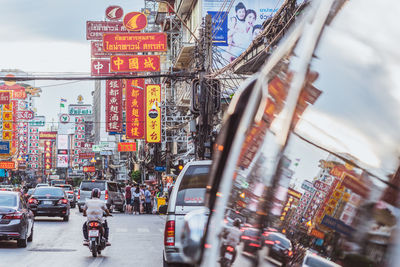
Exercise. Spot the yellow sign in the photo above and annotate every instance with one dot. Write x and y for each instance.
(153, 113)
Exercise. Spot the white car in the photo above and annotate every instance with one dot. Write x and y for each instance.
(188, 194)
(40, 185)
(311, 259)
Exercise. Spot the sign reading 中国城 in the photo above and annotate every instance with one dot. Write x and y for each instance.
(135, 109)
(135, 42)
(135, 63)
(153, 113)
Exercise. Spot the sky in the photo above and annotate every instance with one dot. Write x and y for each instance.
(47, 36)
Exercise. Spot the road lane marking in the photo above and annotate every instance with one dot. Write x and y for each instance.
(96, 262)
(143, 230)
(121, 230)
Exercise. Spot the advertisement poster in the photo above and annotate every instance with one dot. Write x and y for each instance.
(237, 23)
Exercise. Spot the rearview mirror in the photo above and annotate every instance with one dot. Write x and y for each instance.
(163, 209)
(193, 233)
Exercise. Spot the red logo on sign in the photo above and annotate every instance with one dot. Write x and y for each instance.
(114, 12)
(135, 21)
(4, 98)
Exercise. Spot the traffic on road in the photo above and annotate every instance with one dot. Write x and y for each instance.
(200, 133)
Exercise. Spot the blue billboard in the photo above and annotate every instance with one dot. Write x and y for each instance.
(4, 147)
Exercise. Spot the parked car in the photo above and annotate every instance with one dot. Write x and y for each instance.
(110, 194)
(16, 220)
(70, 193)
(187, 195)
(50, 201)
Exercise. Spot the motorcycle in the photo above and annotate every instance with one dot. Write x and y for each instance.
(227, 256)
(97, 242)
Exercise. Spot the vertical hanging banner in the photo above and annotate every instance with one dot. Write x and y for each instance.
(48, 155)
(153, 113)
(135, 109)
(114, 106)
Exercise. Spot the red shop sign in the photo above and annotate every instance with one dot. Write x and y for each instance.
(135, 63)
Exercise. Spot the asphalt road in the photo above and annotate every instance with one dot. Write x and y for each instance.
(136, 240)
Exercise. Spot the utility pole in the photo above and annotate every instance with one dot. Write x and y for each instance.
(204, 95)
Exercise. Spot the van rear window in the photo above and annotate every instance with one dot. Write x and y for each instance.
(192, 189)
(89, 186)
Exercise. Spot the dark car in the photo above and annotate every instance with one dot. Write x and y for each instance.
(68, 189)
(50, 201)
(251, 240)
(280, 248)
(16, 220)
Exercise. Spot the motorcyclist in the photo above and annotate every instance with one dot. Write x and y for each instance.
(231, 237)
(94, 209)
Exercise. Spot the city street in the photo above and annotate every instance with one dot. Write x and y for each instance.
(135, 239)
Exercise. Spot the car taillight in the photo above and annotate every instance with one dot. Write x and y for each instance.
(93, 224)
(62, 201)
(32, 201)
(70, 192)
(169, 233)
(290, 253)
(106, 195)
(79, 194)
(12, 216)
(229, 248)
(269, 242)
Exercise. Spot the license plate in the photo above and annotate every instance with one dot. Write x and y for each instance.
(47, 202)
(228, 256)
(93, 233)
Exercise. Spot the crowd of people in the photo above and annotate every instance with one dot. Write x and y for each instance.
(142, 199)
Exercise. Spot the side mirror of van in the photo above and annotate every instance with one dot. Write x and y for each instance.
(163, 209)
(193, 233)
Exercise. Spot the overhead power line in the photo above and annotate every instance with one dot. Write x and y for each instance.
(182, 74)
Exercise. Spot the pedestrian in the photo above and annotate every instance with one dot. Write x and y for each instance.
(136, 199)
(142, 198)
(147, 201)
(128, 198)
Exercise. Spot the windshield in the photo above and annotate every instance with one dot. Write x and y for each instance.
(279, 240)
(89, 186)
(192, 189)
(8, 200)
(316, 262)
(42, 191)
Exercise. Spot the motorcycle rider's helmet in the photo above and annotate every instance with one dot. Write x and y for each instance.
(237, 222)
(96, 193)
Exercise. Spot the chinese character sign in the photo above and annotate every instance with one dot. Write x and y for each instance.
(135, 63)
(114, 106)
(153, 113)
(135, 109)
